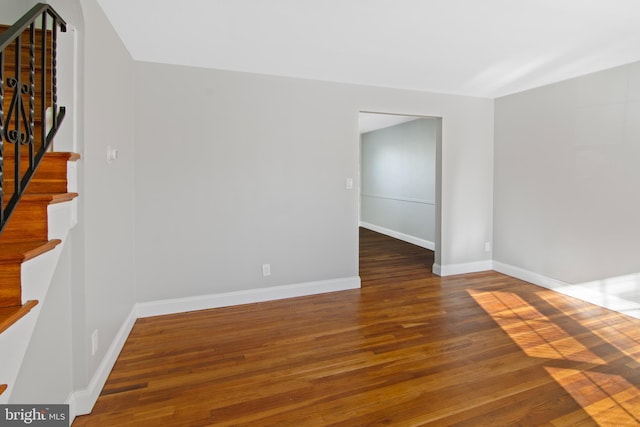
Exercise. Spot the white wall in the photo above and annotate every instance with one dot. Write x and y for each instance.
(398, 173)
(46, 374)
(107, 195)
(566, 178)
(12, 10)
(234, 170)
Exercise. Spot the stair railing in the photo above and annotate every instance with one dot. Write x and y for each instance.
(22, 93)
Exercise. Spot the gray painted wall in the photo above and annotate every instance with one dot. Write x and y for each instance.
(398, 170)
(234, 170)
(12, 10)
(107, 196)
(566, 177)
(46, 374)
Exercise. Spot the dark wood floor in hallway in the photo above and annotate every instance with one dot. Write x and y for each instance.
(407, 349)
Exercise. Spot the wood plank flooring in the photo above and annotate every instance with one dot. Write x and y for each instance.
(408, 349)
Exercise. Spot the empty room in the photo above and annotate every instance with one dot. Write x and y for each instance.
(201, 224)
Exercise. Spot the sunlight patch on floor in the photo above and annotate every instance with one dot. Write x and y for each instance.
(623, 334)
(610, 400)
(536, 335)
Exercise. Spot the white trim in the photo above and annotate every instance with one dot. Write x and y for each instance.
(71, 401)
(82, 401)
(619, 294)
(528, 276)
(469, 267)
(436, 269)
(203, 302)
(76, 90)
(400, 199)
(400, 236)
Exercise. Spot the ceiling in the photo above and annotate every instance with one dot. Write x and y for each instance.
(485, 48)
(374, 121)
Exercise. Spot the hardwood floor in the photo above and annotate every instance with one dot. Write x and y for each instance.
(407, 349)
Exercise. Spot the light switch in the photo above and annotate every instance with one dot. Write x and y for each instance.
(112, 154)
(349, 183)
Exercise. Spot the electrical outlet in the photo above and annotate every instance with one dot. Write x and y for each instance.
(94, 342)
(487, 246)
(266, 270)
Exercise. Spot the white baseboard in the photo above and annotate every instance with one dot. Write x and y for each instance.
(398, 235)
(203, 302)
(436, 269)
(469, 267)
(81, 401)
(621, 294)
(528, 276)
(72, 407)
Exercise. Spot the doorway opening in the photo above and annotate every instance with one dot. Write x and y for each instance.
(399, 193)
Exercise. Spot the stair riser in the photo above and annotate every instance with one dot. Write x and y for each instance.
(49, 178)
(50, 167)
(10, 148)
(38, 186)
(28, 222)
(10, 294)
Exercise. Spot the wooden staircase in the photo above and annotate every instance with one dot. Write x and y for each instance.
(27, 234)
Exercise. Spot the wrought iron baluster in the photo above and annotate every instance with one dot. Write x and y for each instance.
(15, 136)
(54, 71)
(32, 91)
(43, 83)
(1, 138)
(18, 117)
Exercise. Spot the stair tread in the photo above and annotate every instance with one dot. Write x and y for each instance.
(52, 198)
(10, 315)
(23, 251)
(71, 156)
(47, 198)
